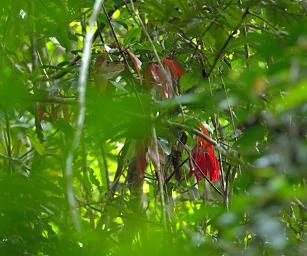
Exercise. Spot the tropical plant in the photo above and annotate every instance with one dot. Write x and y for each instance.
(157, 127)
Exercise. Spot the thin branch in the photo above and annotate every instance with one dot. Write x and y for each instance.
(216, 125)
(116, 39)
(23, 156)
(9, 157)
(8, 141)
(120, 166)
(123, 56)
(231, 113)
(131, 14)
(246, 46)
(106, 167)
(173, 173)
(197, 132)
(227, 186)
(56, 99)
(150, 41)
(217, 16)
(264, 20)
(221, 51)
(300, 204)
(81, 115)
(8, 136)
(97, 34)
(100, 29)
(159, 172)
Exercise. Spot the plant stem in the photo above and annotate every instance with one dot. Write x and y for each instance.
(151, 43)
(221, 51)
(81, 115)
(160, 174)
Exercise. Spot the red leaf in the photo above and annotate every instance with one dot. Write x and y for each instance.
(40, 113)
(203, 160)
(140, 161)
(162, 81)
(136, 62)
(148, 72)
(53, 114)
(174, 67)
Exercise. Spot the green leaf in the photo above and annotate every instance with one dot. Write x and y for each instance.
(293, 98)
(37, 145)
(132, 36)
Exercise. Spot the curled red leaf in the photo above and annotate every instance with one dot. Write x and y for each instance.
(203, 160)
(136, 61)
(163, 82)
(174, 67)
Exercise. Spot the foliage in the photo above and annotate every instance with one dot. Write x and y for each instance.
(167, 79)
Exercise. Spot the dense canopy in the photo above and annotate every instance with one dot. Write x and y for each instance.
(153, 127)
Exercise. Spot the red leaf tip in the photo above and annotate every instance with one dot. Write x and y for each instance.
(203, 161)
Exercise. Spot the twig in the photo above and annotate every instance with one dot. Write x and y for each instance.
(100, 29)
(120, 166)
(22, 157)
(97, 34)
(263, 19)
(226, 180)
(56, 99)
(124, 58)
(9, 157)
(197, 132)
(159, 172)
(8, 141)
(219, 54)
(246, 46)
(128, 9)
(81, 115)
(116, 39)
(106, 167)
(172, 174)
(227, 186)
(8, 136)
(60, 74)
(151, 43)
(231, 113)
(216, 125)
(300, 204)
(38, 127)
(217, 16)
